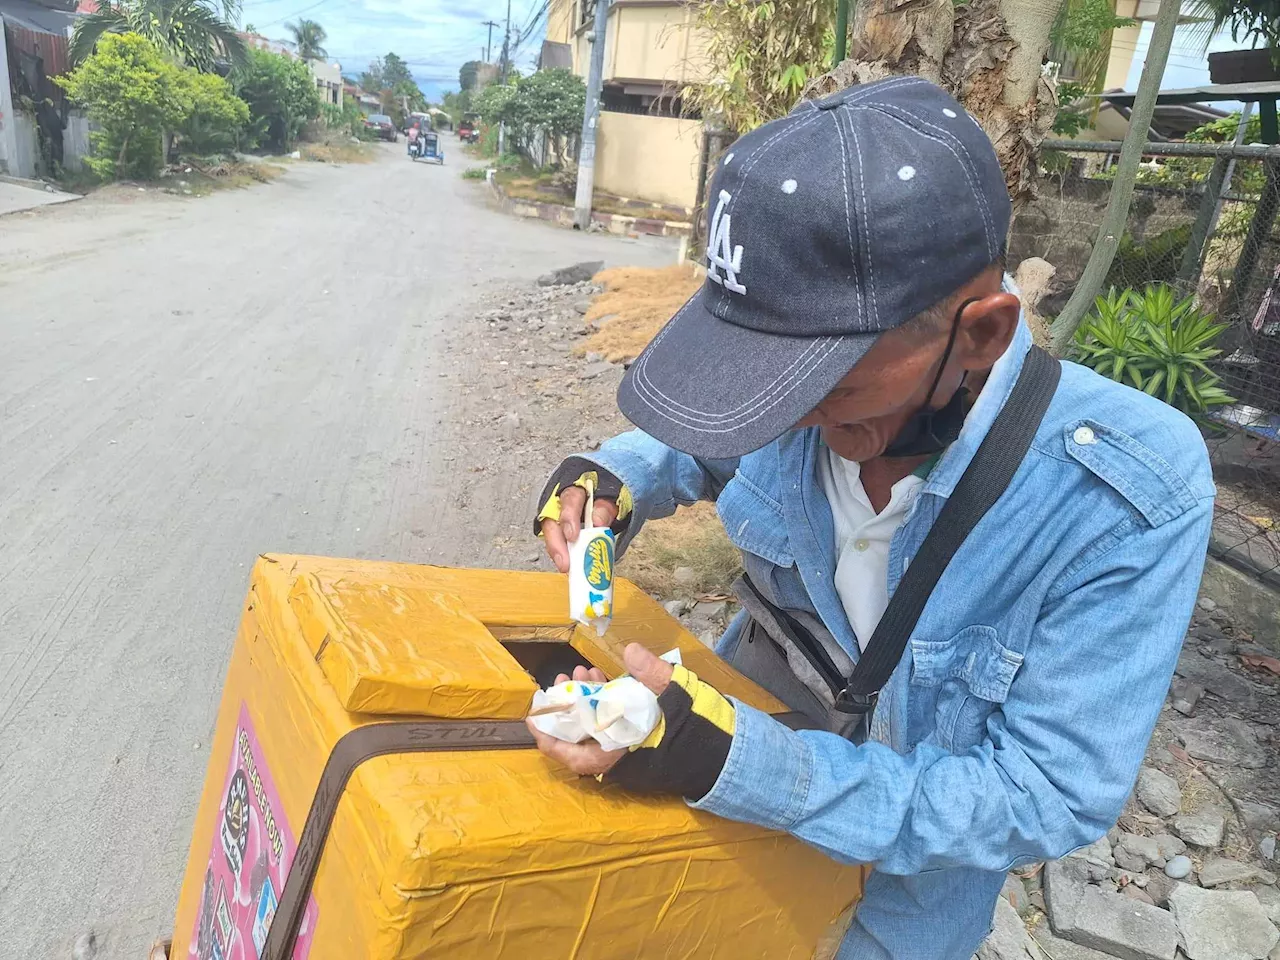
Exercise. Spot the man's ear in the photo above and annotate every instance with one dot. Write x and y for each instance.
(986, 330)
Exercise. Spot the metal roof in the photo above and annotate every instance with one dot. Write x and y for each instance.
(1266, 90)
(35, 16)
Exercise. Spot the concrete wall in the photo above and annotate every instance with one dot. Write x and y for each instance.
(25, 161)
(560, 23)
(647, 40)
(328, 81)
(8, 133)
(75, 140)
(648, 158)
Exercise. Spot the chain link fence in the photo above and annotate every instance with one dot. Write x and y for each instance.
(1202, 222)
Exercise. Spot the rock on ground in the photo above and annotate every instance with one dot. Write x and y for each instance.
(1220, 742)
(1203, 829)
(1169, 845)
(1159, 792)
(1145, 849)
(577, 273)
(1118, 925)
(1008, 939)
(1220, 870)
(1222, 924)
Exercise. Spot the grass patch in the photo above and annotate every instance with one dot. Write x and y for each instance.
(200, 177)
(337, 151)
(473, 173)
(693, 537)
(634, 306)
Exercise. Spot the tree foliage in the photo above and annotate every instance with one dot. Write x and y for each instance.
(309, 37)
(281, 95)
(389, 78)
(469, 75)
(133, 93)
(193, 32)
(129, 90)
(214, 119)
(551, 101)
(1256, 22)
(760, 55)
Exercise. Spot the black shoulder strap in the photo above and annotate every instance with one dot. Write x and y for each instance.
(981, 485)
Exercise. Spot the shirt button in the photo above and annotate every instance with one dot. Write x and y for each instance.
(1083, 436)
(861, 545)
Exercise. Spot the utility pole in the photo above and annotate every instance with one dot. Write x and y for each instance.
(590, 119)
(488, 44)
(506, 44)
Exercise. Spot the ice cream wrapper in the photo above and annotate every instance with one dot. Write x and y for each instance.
(617, 714)
(591, 578)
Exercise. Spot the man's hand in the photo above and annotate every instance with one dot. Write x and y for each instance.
(559, 534)
(682, 756)
(589, 759)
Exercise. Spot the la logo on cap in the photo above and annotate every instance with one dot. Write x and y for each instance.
(720, 253)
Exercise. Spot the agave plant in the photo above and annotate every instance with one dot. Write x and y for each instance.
(192, 32)
(1156, 342)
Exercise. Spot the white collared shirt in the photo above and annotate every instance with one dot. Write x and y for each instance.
(862, 539)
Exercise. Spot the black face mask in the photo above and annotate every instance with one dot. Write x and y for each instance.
(930, 431)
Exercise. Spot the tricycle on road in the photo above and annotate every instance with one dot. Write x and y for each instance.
(426, 146)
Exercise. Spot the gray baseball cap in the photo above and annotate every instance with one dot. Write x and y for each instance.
(826, 228)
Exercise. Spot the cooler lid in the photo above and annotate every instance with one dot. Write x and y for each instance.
(407, 650)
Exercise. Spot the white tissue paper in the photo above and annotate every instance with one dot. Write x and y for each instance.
(617, 714)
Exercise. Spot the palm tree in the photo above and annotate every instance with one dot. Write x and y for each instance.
(309, 37)
(194, 32)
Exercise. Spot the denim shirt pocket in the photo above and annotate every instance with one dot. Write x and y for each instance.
(956, 684)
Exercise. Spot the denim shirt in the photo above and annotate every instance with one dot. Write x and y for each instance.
(1014, 726)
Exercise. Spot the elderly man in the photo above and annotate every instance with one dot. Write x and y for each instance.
(854, 386)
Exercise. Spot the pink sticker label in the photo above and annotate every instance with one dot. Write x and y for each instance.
(252, 850)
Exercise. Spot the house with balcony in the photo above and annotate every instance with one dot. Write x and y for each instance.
(647, 146)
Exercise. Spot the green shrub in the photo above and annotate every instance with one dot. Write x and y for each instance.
(215, 118)
(1153, 341)
(348, 118)
(281, 95)
(132, 93)
(473, 173)
(1154, 260)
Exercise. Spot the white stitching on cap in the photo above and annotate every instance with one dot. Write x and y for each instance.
(866, 223)
(644, 386)
(747, 405)
(970, 170)
(884, 85)
(947, 140)
(859, 305)
(723, 304)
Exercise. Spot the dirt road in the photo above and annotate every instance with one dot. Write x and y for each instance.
(185, 383)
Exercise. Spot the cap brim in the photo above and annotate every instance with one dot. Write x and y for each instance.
(716, 390)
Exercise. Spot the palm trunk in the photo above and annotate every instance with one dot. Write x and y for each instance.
(987, 53)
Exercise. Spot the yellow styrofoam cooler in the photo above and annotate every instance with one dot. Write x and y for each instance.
(369, 751)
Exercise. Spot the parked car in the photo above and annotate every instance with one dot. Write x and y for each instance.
(384, 125)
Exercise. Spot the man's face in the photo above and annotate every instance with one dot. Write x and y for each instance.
(868, 408)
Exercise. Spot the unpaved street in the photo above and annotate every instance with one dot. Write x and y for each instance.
(185, 383)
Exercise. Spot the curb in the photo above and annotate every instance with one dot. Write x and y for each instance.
(1253, 604)
(616, 224)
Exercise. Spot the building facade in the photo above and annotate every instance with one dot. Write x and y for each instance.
(647, 146)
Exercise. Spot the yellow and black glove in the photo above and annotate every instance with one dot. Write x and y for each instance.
(581, 472)
(687, 749)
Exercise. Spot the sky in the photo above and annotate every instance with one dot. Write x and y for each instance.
(1187, 65)
(435, 37)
